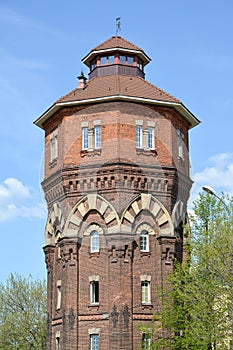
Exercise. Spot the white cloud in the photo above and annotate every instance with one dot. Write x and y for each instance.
(218, 174)
(17, 200)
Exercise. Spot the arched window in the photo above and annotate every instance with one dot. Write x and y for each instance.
(144, 241)
(94, 241)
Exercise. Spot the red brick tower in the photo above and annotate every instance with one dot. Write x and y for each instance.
(116, 184)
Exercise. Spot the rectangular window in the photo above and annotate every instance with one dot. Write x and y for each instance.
(93, 65)
(180, 137)
(144, 241)
(138, 136)
(58, 342)
(97, 136)
(103, 60)
(146, 341)
(145, 290)
(130, 60)
(94, 292)
(123, 59)
(58, 295)
(110, 59)
(84, 138)
(94, 339)
(139, 64)
(53, 146)
(151, 138)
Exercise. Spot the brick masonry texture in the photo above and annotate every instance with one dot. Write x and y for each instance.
(119, 190)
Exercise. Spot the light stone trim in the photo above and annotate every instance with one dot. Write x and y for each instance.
(146, 198)
(94, 227)
(129, 217)
(94, 278)
(82, 209)
(145, 278)
(84, 124)
(92, 198)
(139, 122)
(75, 220)
(150, 124)
(93, 330)
(97, 122)
(135, 207)
(146, 227)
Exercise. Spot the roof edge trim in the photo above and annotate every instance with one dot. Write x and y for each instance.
(189, 116)
(138, 52)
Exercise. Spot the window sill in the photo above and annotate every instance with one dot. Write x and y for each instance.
(147, 152)
(94, 254)
(148, 306)
(53, 163)
(94, 306)
(90, 152)
(145, 253)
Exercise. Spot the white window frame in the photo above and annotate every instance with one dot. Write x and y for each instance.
(180, 141)
(146, 292)
(94, 292)
(53, 144)
(94, 341)
(58, 295)
(144, 241)
(97, 131)
(151, 137)
(94, 241)
(138, 136)
(84, 138)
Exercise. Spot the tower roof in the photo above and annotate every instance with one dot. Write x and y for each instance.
(118, 85)
(116, 43)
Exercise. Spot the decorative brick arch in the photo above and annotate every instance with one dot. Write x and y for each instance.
(55, 224)
(155, 207)
(84, 206)
(179, 213)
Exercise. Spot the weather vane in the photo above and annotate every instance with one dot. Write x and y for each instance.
(118, 25)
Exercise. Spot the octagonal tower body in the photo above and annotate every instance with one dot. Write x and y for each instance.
(116, 183)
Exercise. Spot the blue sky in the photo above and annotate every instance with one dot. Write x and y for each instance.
(41, 47)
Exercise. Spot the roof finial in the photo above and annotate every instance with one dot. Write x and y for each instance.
(118, 25)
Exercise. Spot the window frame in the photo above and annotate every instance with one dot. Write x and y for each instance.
(97, 136)
(181, 144)
(144, 241)
(94, 241)
(146, 292)
(130, 58)
(94, 341)
(139, 132)
(59, 291)
(57, 341)
(103, 60)
(84, 138)
(146, 341)
(151, 137)
(53, 145)
(94, 292)
(112, 56)
(123, 59)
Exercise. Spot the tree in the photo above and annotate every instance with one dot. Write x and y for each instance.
(22, 313)
(197, 310)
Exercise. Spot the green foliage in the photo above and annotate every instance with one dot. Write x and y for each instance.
(197, 304)
(22, 313)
